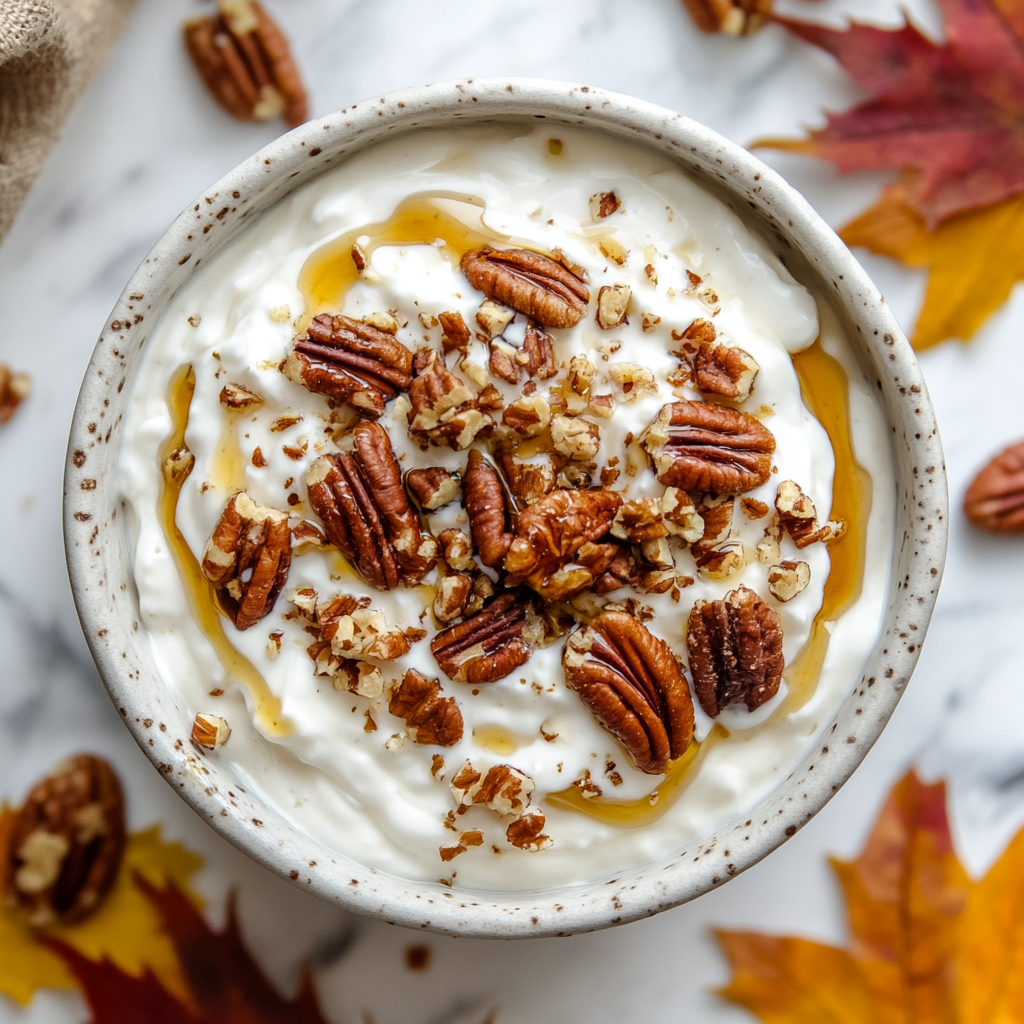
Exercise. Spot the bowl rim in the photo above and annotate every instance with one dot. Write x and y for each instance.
(99, 561)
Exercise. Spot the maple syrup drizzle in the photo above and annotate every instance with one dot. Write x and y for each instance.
(200, 592)
(454, 219)
(647, 809)
(825, 389)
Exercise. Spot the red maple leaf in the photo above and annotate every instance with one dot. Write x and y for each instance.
(951, 116)
(226, 985)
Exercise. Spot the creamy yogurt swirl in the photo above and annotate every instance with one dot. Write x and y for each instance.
(371, 795)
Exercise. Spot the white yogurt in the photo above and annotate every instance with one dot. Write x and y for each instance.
(377, 802)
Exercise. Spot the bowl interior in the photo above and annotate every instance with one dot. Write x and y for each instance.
(100, 561)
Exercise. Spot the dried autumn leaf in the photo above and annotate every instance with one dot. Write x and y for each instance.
(126, 929)
(927, 945)
(973, 259)
(949, 114)
(224, 983)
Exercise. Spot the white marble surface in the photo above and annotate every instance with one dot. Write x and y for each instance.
(145, 140)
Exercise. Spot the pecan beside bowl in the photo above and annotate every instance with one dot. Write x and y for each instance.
(336, 358)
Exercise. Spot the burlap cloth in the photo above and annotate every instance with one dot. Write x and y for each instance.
(49, 49)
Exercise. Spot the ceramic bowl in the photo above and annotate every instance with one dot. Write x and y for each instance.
(100, 559)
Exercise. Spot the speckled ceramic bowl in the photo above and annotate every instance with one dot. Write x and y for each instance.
(100, 561)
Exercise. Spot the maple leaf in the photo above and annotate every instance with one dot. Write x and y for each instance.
(973, 259)
(950, 114)
(126, 929)
(927, 945)
(224, 984)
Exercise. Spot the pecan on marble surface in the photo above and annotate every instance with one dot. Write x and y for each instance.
(995, 499)
(530, 283)
(247, 558)
(732, 17)
(492, 643)
(443, 410)
(244, 60)
(14, 388)
(704, 448)
(629, 680)
(66, 843)
(429, 717)
(555, 549)
(735, 648)
(350, 361)
(367, 514)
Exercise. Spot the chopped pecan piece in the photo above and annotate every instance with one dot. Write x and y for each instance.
(735, 648)
(527, 832)
(366, 512)
(537, 355)
(680, 515)
(530, 283)
(575, 438)
(799, 518)
(492, 643)
(995, 499)
(66, 843)
(528, 481)
(503, 789)
(639, 520)
(354, 630)
(704, 448)
(635, 381)
(350, 361)
(457, 550)
(700, 332)
(210, 731)
(612, 304)
(629, 680)
(244, 60)
(444, 411)
(433, 487)
(493, 318)
(234, 396)
(14, 388)
(560, 529)
(484, 499)
(723, 370)
(456, 336)
(787, 579)
(603, 204)
(429, 717)
(247, 558)
(452, 594)
(528, 417)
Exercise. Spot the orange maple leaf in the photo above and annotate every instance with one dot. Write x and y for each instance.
(225, 985)
(927, 945)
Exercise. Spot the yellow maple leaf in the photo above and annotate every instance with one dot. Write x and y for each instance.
(126, 929)
(927, 945)
(973, 259)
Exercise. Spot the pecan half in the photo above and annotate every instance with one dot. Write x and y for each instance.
(733, 17)
(433, 487)
(486, 507)
(350, 361)
(444, 411)
(366, 512)
(560, 529)
(247, 558)
(429, 717)
(995, 499)
(244, 60)
(704, 448)
(66, 843)
(491, 644)
(530, 283)
(735, 648)
(629, 680)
